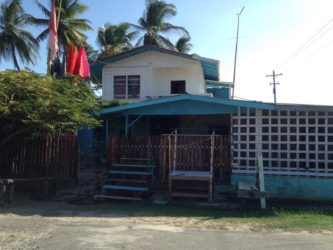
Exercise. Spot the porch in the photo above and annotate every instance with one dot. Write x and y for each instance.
(199, 150)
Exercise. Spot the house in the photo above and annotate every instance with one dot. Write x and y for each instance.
(169, 91)
(151, 72)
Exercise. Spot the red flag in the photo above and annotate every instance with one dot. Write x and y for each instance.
(53, 40)
(82, 65)
(72, 59)
(75, 55)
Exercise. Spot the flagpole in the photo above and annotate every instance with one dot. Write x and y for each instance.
(58, 19)
(56, 30)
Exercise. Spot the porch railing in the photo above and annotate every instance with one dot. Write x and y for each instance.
(193, 153)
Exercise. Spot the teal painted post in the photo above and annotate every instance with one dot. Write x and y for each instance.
(132, 129)
(106, 134)
(261, 181)
(147, 126)
(126, 125)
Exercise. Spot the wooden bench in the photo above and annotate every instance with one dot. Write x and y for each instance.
(6, 190)
(7, 187)
(191, 176)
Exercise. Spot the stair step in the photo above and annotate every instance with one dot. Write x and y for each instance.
(134, 159)
(190, 195)
(99, 196)
(132, 165)
(125, 188)
(130, 172)
(128, 180)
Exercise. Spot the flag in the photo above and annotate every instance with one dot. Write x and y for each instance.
(53, 40)
(82, 65)
(72, 59)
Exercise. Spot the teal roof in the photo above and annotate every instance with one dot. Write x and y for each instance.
(217, 84)
(210, 67)
(210, 70)
(184, 105)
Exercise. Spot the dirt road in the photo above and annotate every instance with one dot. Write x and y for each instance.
(49, 225)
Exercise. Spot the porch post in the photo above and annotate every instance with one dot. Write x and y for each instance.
(126, 125)
(106, 134)
(147, 125)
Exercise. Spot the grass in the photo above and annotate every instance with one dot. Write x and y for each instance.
(286, 219)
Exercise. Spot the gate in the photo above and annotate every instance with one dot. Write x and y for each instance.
(207, 153)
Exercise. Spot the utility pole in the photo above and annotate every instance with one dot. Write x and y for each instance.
(274, 83)
(234, 77)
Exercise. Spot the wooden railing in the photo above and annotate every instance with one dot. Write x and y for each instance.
(192, 152)
(40, 156)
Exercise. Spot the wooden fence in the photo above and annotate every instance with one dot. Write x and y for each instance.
(192, 153)
(40, 156)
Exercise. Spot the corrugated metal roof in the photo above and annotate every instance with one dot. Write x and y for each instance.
(303, 107)
(214, 84)
(210, 70)
(214, 105)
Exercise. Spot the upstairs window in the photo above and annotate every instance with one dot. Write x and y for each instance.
(133, 87)
(178, 87)
(126, 87)
(119, 87)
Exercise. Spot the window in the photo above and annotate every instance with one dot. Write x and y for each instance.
(126, 87)
(119, 87)
(133, 87)
(178, 87)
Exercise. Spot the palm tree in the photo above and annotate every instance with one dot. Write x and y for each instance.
(153, 24)
(183, 44)
(13, 38)
(114, 39)
(70, 26)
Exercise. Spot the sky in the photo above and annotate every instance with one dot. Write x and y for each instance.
(292, 37)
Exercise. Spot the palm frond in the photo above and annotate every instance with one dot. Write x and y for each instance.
(166, 42)
(153, 24)
(167, 27)
(43, 8)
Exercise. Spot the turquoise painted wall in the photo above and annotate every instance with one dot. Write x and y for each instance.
(219, 92)
(86, 140)
(293, 187)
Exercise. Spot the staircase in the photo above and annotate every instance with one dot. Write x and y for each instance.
(130, 179)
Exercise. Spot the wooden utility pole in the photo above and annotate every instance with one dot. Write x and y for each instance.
(274, 83)
(234, 76)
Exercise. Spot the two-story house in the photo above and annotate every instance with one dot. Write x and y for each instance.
(167, 90)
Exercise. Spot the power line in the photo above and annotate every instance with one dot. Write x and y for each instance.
(318, 50)
(320, 33)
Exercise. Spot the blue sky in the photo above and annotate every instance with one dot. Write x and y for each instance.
(271, 31)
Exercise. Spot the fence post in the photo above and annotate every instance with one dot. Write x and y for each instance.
(211, 164)
(175, 151)
(169, 176)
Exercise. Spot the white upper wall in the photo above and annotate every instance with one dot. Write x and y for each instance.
(156, 70)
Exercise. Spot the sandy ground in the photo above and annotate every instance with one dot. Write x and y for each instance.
(56, 225)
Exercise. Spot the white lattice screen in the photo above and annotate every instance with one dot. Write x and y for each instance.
(291, 142)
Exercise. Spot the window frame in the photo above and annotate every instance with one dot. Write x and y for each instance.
(127, 95)
(177, 82)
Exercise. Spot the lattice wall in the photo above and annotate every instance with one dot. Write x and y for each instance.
(291, 142)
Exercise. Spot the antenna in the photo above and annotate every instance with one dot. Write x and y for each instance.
(234, 77)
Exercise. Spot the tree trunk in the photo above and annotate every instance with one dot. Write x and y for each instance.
(14, 57)
(64, 60)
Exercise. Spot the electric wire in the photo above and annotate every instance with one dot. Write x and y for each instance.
(313, 39)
